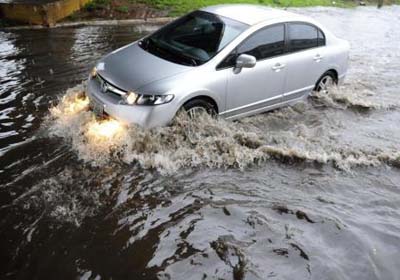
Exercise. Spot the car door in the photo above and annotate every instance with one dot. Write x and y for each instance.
(305, 59)
(250, 90)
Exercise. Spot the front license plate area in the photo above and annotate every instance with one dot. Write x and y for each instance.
(96, 107)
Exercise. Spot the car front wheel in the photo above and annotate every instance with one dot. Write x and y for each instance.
(196, 107)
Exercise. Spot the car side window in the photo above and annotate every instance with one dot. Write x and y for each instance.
(302, 36)
(265, 43)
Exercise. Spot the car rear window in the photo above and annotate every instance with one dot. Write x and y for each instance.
(321, 38)
(302, 37)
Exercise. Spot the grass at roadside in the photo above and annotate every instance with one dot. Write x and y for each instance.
(126, 9)
(178, 7)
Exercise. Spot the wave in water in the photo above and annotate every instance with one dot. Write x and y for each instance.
(209, 142)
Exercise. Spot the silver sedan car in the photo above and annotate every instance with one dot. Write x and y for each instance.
(229, 60)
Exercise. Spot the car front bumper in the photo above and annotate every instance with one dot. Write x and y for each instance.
(144, 116)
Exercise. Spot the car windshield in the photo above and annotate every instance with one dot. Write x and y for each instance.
(193, 39)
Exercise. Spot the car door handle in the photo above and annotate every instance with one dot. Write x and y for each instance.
(318, 57)
(277, 67)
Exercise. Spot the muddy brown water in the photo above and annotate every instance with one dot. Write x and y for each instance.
(307, 192)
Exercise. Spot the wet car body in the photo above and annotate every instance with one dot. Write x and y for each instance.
(276, 59)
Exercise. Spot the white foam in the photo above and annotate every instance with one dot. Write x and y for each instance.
(213, 143)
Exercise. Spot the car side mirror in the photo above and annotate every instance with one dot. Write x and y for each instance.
(245, 61)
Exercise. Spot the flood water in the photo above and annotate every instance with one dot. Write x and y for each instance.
(307, 192)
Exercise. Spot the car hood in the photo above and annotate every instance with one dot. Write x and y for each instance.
(131, 67)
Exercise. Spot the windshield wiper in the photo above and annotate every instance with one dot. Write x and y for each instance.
(194, 62)
(151, 42)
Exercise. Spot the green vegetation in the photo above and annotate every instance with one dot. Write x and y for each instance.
(119, 6)
(122, 9)
(178, 7)
(126, 9)
(97, 4)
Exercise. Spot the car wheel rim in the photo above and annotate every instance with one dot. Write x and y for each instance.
(325, 84)
(196, 111)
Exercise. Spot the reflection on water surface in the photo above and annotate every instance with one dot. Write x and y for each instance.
(307, 192)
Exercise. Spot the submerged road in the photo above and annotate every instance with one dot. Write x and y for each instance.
(307, 192)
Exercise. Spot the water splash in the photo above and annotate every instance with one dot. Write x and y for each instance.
(357, 97)
(185, 143)
(72, 103)
(285, 135)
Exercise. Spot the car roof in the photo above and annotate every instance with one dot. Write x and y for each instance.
(249, 14)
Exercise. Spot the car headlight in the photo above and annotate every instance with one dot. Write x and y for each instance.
(131, 97)
(147, 99)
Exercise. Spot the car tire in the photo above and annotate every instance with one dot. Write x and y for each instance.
(326, 81)
(197, 106)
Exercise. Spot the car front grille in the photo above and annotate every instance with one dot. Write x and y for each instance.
(108, 88)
